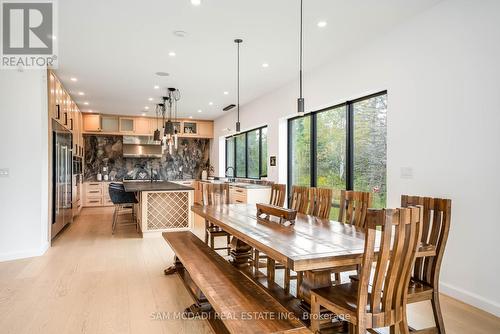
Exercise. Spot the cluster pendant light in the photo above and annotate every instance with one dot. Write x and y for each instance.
(300, 100)
(238, 41)
(168, 111)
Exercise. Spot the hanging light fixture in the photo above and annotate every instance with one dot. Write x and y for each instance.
(170, 135)
(157, 133)
(300, 100)
(238, 41)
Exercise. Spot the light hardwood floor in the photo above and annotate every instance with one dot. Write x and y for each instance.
(90, 281)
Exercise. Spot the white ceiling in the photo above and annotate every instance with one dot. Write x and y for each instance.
(114, 47)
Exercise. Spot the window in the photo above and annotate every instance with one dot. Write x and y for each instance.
(246, 154)
(342, 147)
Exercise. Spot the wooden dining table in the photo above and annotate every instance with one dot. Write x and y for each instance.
(311, 245)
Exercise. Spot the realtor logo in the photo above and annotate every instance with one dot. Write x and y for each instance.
(28, 36)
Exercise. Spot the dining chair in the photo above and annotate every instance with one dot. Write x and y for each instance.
(215, 194)
(381, 303)
(424, 281)
(320, 202)
(353, 207)
(278, 192)
(299, 199)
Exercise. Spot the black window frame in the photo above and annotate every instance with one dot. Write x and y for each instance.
(349, 109)
(245, 133)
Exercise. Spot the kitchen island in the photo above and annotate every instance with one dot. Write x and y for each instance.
(163, 206)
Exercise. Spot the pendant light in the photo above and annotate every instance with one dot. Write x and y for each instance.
(300, 100)
(238, 41)
(157, 134)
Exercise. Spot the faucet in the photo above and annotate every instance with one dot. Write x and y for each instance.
(232, 178)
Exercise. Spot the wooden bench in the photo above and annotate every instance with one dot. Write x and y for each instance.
(241, 304)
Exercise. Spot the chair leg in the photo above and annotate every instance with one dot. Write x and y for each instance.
(212, 243)
(115, 218)
(299, 282)
(337, 278)
(228, 244)
(315, 307)
(436, 309)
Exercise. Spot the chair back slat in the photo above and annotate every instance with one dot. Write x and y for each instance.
(400, 232)
(300, 199)
(436, 225)
(320, 202)
(278, 192)
(353, 207)
(215, 193)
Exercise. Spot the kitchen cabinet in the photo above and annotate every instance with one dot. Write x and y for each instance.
(91, 123)
(109, 124)
(96, 194)
(127, 124)
(239, 195)
(143, 126)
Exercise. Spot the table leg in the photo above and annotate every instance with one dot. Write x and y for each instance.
(241, 253)
(173, 268)
(313, 280)
(271, 269)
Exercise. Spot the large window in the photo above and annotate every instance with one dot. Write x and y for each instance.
(246, 154)
(342, 147)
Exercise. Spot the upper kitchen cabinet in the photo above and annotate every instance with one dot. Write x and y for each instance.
(144, 126)
(91, 123)
(127, 125)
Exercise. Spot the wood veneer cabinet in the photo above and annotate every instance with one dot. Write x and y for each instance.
(65, 111)
(145, 126)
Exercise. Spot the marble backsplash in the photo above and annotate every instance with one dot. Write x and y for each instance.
(187, 162)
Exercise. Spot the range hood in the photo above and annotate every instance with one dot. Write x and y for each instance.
(141, 147)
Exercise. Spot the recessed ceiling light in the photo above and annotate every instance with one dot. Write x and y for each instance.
(143, 114)
(190, 116)
(265, 65)
(90, 110)
(150, 99)
(210, 103)
(53, 37)
(156, 87)
(199, 110)
(74, 79)
(322, 24)
(196, 2)
(86, 103)
(81, 93)
(146, 108)
(180, 33)
(162, 74)
(172, 54)
(225, 93)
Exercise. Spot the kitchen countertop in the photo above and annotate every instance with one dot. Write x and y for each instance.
(154, 186)
(243, 185)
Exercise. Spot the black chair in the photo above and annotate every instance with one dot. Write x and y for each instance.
(122, 199)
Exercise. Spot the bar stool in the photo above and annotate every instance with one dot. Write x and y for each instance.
(121, 200)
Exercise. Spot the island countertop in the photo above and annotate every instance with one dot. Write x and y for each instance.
(154, 186)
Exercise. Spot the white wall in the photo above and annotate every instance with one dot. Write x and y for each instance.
(442, 73)
(23, 149)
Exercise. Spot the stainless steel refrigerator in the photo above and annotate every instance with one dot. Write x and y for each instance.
(62, 161)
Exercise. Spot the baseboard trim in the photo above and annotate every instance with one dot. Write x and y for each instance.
(471, 298)
(9, 256)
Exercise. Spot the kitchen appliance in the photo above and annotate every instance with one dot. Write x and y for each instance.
(61, 178)
(77, 185)
(141, 147)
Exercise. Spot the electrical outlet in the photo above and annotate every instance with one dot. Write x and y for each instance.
(4, 172)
